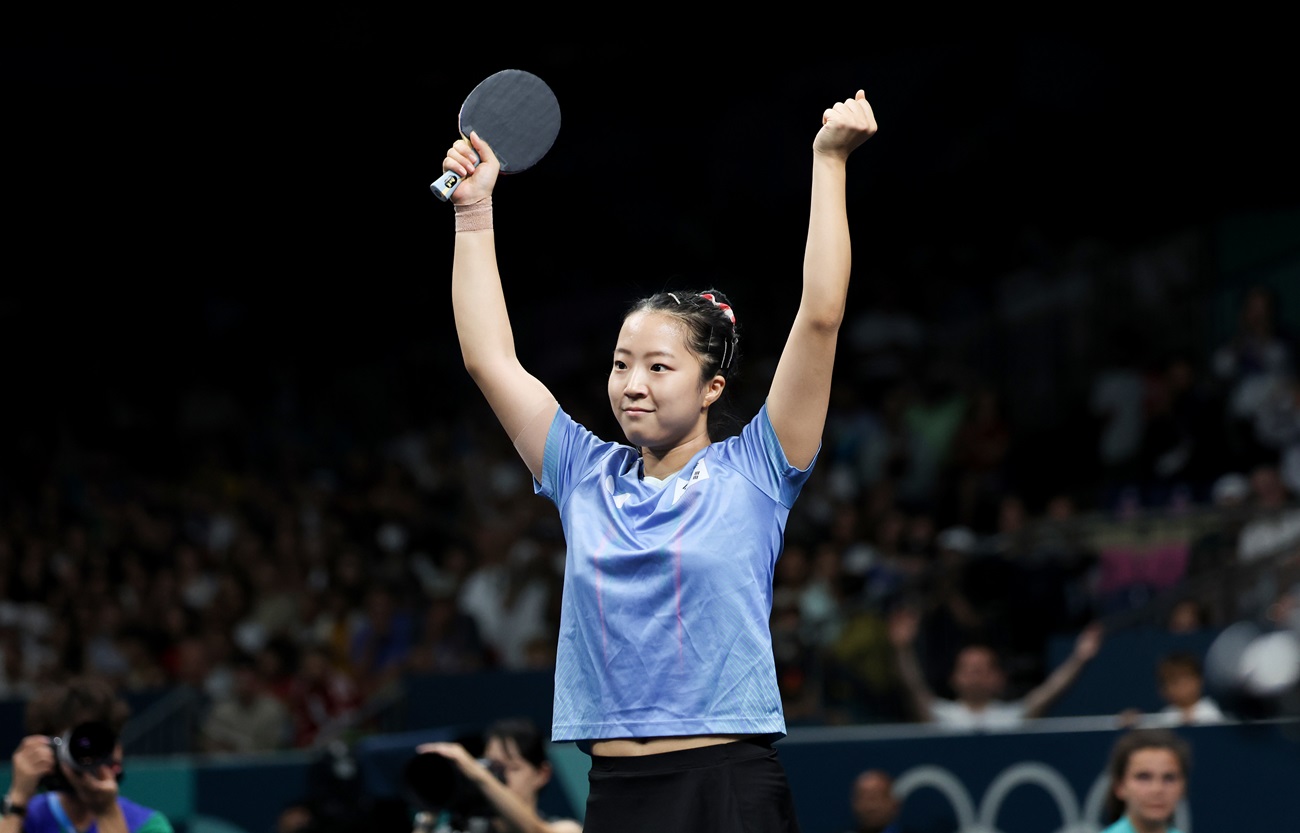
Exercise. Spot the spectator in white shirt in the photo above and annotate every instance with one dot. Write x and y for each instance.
(979, 682)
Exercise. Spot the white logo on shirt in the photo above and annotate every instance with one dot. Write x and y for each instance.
(619, 500)
(701, 472)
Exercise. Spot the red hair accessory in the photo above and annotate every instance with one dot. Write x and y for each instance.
(726, 308)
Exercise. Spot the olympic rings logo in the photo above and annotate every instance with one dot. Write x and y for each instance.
(1074, 819)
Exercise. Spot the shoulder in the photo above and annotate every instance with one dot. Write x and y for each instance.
(757, 446)
(1207, 707)
(142, 819)
(579, 445)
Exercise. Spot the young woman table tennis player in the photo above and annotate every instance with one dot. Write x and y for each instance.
(664, 671)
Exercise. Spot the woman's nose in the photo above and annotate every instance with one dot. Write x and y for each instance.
(635, 384)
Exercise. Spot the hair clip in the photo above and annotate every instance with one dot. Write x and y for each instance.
(726, 308)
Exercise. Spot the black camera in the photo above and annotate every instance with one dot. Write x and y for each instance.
(83, 748)
(436, 784)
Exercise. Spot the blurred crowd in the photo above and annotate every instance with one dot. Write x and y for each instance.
(293, 591)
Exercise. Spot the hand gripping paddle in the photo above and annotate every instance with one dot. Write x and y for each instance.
(516, 113)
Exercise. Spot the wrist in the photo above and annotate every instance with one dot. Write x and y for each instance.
(474, 216)
(13, 805)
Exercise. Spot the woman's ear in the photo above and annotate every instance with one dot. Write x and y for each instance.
(714, 390)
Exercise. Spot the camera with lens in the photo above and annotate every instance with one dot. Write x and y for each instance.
(436, 784)
(83, 748)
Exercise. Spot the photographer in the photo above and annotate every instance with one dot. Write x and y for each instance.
(66, 770)
(510, 776)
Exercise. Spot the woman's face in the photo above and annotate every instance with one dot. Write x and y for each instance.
(654, 384)
(1152, 786)
(520, 774)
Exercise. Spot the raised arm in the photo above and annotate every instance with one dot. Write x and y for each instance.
(517, 814)
(903, 625)
(1085, 648)
(521, 403)
(800, 392)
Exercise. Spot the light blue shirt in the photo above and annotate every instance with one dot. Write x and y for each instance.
(668, 587)
(1124, 826)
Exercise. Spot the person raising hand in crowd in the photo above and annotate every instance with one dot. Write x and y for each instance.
(978, 681)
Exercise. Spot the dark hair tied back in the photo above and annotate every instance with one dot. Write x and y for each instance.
(710, 323)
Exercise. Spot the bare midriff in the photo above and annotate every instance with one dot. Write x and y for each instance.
(627, 747)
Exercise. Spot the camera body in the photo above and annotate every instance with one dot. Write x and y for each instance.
(83, 748)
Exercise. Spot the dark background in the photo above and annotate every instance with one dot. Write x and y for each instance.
(236, 200)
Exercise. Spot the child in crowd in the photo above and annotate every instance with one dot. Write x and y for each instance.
(1182, 688)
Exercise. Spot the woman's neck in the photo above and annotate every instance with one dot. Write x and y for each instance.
(662, 464)
(1144, 826)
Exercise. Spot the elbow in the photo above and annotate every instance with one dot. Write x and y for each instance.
(824, 319)
(474, 369)
(480, 364)
(822, 315)
(829, 323)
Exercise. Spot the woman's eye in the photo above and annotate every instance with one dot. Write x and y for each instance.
(657, 367)
(618, 365)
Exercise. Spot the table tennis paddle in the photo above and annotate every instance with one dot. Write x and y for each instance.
(516, 113)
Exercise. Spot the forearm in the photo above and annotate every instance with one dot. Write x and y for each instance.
(478, 302)
(1037, 701)
(909, 674)
(19, 796)
(827, 254)
(517, 814)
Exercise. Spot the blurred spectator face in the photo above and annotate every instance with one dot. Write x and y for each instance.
(1181, 687)
(294, 819)
(1266, 484)
(1060, 508)
(1186, 617)
(1257, 312)
(920, 533)
(315, 666)
(521, 776)
(874, 805)
(1011, 514)
(192, 663)
(1152, 785)
(977, 676)
(245, 686)
(380, 607)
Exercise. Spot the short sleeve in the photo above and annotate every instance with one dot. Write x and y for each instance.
(571, 452)
(757, 453)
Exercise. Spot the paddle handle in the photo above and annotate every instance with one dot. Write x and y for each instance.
(444, 185)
